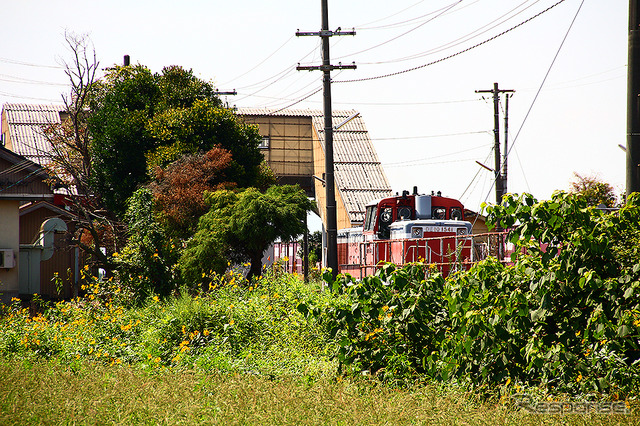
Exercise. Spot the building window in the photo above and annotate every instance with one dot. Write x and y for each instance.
(264, 143)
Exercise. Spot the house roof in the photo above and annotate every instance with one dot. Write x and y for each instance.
(25, 124)
(358, 173)
(21, 178)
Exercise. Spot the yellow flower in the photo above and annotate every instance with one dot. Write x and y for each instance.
(579, 377)
(231, 322)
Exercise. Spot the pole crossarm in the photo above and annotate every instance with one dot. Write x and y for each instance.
(325, 33)
(326, 67)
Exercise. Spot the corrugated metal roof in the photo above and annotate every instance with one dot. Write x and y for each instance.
(26, 123)
(358, 173)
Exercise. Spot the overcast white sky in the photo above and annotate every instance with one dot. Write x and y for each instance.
(429, 126)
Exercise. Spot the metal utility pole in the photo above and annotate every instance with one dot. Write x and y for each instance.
(326, 68)
(633, 100)
(500, 180)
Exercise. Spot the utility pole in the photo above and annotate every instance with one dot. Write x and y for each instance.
(505, 155)
(227, 93)
(500, 179)
(633, 100)
(326, 68)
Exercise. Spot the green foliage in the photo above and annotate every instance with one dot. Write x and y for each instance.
(240, 226)
(141, 120)
(564, 315)
(387, 323)
(145, 264)
(198, 128)
(315, 248)
(122, 104)
(239, 328)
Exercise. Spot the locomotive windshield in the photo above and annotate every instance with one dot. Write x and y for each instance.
(370, 218)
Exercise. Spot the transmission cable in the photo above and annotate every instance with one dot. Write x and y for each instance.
(452, 55)
(442, 11)
(487, 27)
(539, 90)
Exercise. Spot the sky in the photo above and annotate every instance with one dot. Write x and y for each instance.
(419, 65)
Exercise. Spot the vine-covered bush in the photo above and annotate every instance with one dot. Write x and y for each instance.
(563, 314)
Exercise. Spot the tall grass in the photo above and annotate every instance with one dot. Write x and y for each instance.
(237, 354)
(48, 392)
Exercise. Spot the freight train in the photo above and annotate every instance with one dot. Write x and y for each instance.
(407, 228)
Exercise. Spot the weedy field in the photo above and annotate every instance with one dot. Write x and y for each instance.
(273, 351)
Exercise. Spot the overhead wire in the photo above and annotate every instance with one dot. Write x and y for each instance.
(469, 36)
(28, 64)
(436, 61)
(393, 74)
(409, 21)
(431, 136)
(21, 80)
(264, 60)
(364, 26)
(418, 160)
(442, 11)
(512, 145)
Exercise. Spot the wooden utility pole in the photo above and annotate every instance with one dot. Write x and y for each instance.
(633, 100)
(326, 68)
(500, 179)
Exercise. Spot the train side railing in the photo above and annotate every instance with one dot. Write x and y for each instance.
(468, 250)
(447, 253)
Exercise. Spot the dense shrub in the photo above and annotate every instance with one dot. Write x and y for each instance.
(565, 314)
(240, 328)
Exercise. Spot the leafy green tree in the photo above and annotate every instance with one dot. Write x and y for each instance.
(146, 262)
(240, 226)
(140, 120)
(595, 191)
(122, 104)
(199, 128)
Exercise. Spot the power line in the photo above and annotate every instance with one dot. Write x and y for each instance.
(263, 61)
(444, 10)
(462, 39)
(28, 64)
(433, 157)
(14, 79)
(14, 96)
(364, 26)
(431, 136)
(540, 88)
(545, 77)
(452, 55)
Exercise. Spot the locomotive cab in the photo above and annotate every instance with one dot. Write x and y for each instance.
(380, 214)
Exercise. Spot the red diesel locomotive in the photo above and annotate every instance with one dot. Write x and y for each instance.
(407, 228)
